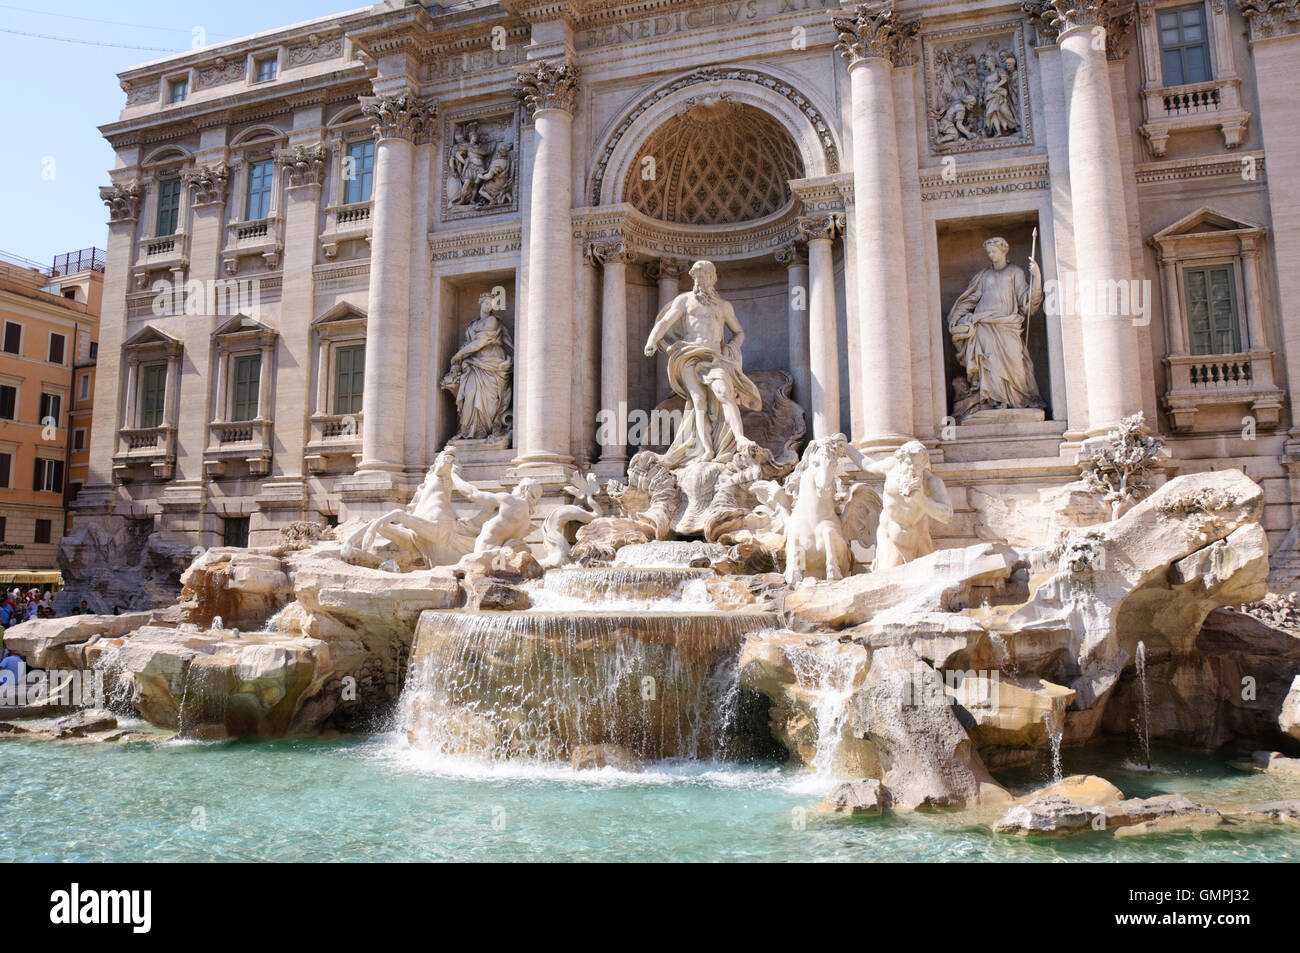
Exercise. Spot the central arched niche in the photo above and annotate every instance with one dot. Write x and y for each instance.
(716, 162)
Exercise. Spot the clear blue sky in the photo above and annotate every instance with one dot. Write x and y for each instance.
(56, 94)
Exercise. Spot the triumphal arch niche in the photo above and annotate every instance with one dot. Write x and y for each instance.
(732, 166)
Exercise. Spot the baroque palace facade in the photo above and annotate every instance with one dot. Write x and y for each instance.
(308, 228)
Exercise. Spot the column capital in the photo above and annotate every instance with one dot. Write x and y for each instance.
(611, 252)
(306, 164)
(208, 184)
(659, 269)
(548, 86)
(828, 226)
(792, 254)
(1270, 18)
(874, 32)
(399, 116)
(1055, 18)
(123, 201)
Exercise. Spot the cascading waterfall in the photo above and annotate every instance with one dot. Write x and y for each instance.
(1055, 722)
(1144, 727)
(830, 677)
(541, 683)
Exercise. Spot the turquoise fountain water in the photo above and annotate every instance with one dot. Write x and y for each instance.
(495, 785)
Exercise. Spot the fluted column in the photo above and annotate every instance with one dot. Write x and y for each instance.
(549, 93)
(1101, 237)
(614, 258)
(667, 274)
(398, 121)
(873, 41)
(823, 330)
(795, 259)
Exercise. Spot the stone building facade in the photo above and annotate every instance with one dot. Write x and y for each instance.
(304, 222)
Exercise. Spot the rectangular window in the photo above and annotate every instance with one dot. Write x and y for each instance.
(6, 469)
(153, 392)
(8, 402)
(359, 172)
(48, 476)
(83, 387)
(57, 343)
(1212, 310)
(1184, 45)
(258, 204)
(178, 89)
(13, 337)
(42, 531)
(349, 379)
(265, 68)
(94, 350)
(169, 207)
(3, 528)
(51, 408)
(234, 531)
(79, 439)
(247, 383)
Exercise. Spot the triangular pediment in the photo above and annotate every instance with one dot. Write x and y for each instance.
(150, 335)
(343, 311)
(1203, 220)
(242, 324)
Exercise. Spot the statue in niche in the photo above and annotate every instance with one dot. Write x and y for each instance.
(479, 174)
(977, 96)
(988, 324)
(479, 375)
(704, 369)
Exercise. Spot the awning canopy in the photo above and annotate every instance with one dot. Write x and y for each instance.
(49, 578)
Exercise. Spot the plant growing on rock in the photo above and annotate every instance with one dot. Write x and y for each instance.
(1121, 469)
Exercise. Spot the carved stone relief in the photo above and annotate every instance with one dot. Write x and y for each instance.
(977, 90)
(481, 163)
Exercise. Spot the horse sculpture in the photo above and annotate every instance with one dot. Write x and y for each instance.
(820, 517)
(428, 526)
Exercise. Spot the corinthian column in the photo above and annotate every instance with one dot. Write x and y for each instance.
(873, 42)
(398, 122)
(613, 257)
(549, 93)
(1101, 239)
(795, 260)
(823, 331)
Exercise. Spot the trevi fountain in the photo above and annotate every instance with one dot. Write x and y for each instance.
(737, 621)
(669, 432)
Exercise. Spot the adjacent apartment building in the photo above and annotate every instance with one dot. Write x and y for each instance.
(49, 326)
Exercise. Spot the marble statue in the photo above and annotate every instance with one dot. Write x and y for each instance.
(704, 368)
(512, 520)
(557, 525)
(479, 376)
(428, 526)
(913, 496)
(820, 519)
(988, 326)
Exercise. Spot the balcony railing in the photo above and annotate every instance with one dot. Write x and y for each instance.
(1198, 382)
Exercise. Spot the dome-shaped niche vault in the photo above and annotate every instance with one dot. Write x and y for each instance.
(715, 163)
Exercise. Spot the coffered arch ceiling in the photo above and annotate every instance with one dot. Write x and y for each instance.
(716, 162)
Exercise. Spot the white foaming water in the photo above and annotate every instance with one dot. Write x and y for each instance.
(667, 554)
(692, 596)
(1055, 722)
(1144, 729)
(830, 674)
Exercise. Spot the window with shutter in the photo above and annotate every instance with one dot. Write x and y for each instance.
(1212, 310)
(349, 379)
(248, 380)
(153, 391)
